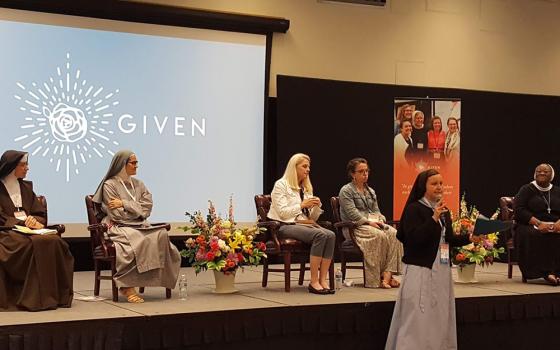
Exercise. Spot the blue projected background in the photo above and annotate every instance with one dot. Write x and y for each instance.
(192, 111)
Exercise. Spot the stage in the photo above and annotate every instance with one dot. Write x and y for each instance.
(496, 312)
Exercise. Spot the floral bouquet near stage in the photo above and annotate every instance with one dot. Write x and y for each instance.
(482, 250)
(219, 244)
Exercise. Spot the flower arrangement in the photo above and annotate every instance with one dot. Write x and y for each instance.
(482, 250)
(220, 245)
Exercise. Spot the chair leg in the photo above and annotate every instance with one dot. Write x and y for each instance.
(523, 279)
(265, 273)
(343, 265)
(97, 282)
(510, 265)
(301, 273)
(287, 268)
(331, 276)
(113, 283)
(141, 290)
(364, 270)
(167, 293)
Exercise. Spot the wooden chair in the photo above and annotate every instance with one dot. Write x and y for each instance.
(346, 247)
(507, 206)
(60, 229)
(103, 249)
(287, 248)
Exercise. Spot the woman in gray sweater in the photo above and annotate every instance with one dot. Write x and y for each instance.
(377, 240)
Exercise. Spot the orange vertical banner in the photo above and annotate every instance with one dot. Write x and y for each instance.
(427, 135)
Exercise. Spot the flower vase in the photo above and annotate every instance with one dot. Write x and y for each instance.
(225, 283)
(465, 273)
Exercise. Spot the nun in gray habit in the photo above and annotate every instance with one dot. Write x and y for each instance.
(145, 257)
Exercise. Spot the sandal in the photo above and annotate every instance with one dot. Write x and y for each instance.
(131, 296)
(394, 283)
(385, 285)
(551, 279)
(134, 299)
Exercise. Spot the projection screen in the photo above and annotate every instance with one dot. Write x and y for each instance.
(188, 102)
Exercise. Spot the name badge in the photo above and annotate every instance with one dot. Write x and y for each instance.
(20, 215)
(444, 253)
(420, 145)
(437, 155)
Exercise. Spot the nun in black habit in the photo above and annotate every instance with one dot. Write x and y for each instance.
(36, 271)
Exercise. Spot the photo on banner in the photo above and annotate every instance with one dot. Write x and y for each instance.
(427, 135)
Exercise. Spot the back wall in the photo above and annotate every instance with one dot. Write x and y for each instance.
(504, 136)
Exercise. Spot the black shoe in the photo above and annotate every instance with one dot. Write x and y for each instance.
(331, 291)
(318, 291)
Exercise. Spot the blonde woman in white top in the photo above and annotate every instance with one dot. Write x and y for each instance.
(294, 204)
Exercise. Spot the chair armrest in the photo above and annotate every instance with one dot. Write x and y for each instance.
(339, 226)
(98, 228)
(60, 229)
(345, 224)
(165, 225)
(96, 232)
(98, 239)
(272, 230)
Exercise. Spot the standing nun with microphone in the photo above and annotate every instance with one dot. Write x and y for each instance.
(424, 314)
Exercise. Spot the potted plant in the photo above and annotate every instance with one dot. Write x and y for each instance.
(219, 245)
(481, 251)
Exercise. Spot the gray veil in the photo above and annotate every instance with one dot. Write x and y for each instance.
(117, 164)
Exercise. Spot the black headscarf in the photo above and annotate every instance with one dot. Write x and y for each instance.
(9, 161)
(416, 193)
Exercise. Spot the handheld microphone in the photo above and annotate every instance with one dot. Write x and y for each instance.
(439, 198)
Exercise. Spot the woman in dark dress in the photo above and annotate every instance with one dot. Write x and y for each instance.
(35, 271)
(424, 314)
(537, 230)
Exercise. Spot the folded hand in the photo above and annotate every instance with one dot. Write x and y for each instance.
(115, 203)
(376, 224)
(32, 223)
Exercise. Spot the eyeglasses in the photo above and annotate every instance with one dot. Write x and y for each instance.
(363, 171)
(133, 162)
(24, 164)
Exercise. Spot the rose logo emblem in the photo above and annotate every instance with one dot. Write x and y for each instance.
(66, 120)
(68, 124)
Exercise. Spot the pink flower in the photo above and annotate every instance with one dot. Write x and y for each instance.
(200, 255)
(230, 209)
(233, 257)
(212, 211)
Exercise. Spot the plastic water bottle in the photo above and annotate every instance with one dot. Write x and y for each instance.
(338, 279)
(183, 287)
